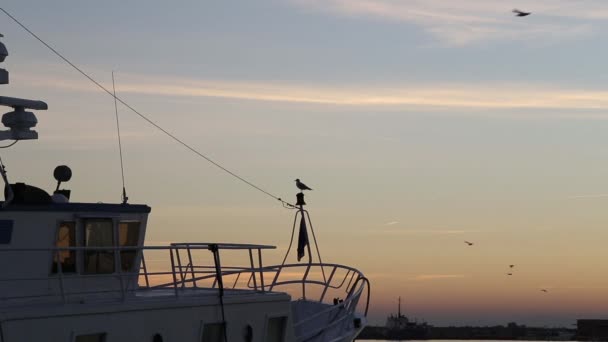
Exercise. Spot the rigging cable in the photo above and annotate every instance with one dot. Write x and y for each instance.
(150, 121)
(122, 168)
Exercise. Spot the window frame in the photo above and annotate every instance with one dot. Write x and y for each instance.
(79, 223)
(76, 244)
(138, 253)
(83, 236)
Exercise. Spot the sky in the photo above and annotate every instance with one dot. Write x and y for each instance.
(419, 125)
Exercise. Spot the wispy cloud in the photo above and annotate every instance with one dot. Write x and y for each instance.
(588, 196)
(461, 22)
(423, 277)
(391, 223)
(422, 231)
(390, 96)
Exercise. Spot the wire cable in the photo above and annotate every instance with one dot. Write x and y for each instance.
(9, 145)
(150, 121)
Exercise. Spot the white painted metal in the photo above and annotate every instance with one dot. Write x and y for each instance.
(178, 300)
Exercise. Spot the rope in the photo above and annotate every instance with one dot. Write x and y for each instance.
(150, 121)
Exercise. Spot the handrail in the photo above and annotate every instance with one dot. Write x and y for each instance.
(198, 246)
(222, 245)
(190, 275)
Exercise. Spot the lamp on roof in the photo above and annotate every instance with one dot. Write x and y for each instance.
(62, 173)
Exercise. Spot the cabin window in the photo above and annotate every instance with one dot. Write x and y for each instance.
(66, 237)
(213, 332)
(91, 338)
(275, 330)
(99, 233)
(128, 235)
(6, 231)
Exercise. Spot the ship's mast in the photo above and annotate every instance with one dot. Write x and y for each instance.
(399, 310)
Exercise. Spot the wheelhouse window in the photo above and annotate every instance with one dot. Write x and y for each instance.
(128, 236)
(66, 259)
(99, 233)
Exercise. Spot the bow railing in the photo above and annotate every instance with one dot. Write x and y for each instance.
(185, 269)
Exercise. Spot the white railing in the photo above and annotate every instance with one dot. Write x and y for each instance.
(184, 274)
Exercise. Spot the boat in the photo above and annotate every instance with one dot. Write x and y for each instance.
(81, 272)
(398, 327)
(401, 327)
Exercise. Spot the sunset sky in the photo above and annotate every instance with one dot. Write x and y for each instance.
(418, 123)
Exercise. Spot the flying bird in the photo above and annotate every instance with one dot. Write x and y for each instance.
(544, 290)
(519, 13)
(511, 266)
(301, 185)
(469, 243)
(509, 273)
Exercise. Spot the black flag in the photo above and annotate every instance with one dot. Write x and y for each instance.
(302, 238)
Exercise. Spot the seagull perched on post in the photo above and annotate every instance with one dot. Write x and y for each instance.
(301, 185)
(519, 13)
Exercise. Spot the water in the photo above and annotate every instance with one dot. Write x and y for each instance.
(440, 340)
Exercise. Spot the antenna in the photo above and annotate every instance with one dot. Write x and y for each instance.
(122, 168)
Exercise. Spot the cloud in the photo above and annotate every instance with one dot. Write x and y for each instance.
(391, 223)
(389, 96)
(422, 232)
(424, 277)
(588, 196)
(462, 22)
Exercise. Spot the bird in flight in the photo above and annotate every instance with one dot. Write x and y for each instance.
(301, 185)
(511, 266)
(469, 243)
(519, 13)
(544, 290)
(510, 274)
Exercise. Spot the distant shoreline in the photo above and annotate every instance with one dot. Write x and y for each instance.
(511, 331)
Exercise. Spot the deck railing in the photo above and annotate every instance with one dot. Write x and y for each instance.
(184, 273)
